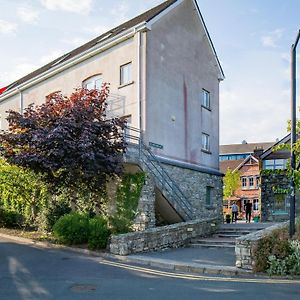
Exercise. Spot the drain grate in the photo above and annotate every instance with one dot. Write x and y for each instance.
(82, 288)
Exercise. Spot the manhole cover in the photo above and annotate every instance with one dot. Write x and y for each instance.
(81, 288)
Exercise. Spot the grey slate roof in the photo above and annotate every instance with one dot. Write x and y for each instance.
(144, 17)
(244, 148)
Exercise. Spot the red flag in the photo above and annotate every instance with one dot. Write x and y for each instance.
(2, 90)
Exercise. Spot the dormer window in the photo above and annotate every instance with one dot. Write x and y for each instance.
(93, 83)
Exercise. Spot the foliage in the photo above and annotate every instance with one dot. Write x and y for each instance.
(10, 219)
(21, 191)
(67, 139)
(231, 183)
(276, 244)
(288, 265)
(72, 229)
(128, 194)
(98, 233)
(52, 211)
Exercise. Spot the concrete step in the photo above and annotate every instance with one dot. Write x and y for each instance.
(224, 245)
(217, 241)
(239, 232)
(226, 235)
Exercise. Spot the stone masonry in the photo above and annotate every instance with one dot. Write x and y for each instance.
(171, 236)
(245, 246)
(194, 185)
(145, 218)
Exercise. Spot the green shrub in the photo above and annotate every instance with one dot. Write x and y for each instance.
(49, 215)
(72, 229)
(276, 245)
(10, 219)
(288, 265)
(98, 233)
(120, 225)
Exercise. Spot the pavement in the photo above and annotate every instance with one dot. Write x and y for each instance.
(203, 260)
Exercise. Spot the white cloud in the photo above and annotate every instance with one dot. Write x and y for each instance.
(75, 6)
(28, 14)
(76, 41)
(51, 56)
(7, 27)
(272, 38)
(16, 72)
(97, 30)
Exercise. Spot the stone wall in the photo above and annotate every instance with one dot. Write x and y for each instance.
(245, 246)
(194, 184)
(171, 236)
(145, 217)
(275, 188)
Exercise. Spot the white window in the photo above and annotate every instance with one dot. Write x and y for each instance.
(205, 142)
(244, 183)
(206, 99)
(251, 182)
(275, 164)
(126, 74)
(93, 83)
(257, 182)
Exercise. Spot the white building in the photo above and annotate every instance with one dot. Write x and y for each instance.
(164, 76)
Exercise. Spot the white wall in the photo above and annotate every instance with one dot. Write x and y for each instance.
(179, 65)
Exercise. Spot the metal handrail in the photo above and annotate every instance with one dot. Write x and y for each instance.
(152, 160)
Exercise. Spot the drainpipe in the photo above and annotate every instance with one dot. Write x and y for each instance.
(21, 102)
(139, 82)
(293, 134)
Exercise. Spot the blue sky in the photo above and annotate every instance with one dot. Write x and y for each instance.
(252, 39)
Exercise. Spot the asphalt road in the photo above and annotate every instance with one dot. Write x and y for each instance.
(31, 273)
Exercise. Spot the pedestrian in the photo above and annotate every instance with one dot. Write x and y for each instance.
(234, 210)
(248, 209)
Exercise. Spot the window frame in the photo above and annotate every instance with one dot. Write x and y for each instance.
(206, 99)
(251, 180)
(205, 147)
(244, 180)
(130, 81)
(93, 79)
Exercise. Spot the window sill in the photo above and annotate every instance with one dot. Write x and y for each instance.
(126, 84)
(205, 107)
(205, 151)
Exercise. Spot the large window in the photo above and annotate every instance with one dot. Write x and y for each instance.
(205, 142)
(94, 82)
(206, 99)
(255, 204)
(126, 74)
(274, 164)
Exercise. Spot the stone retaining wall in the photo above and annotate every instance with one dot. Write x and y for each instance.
(245, 245)
(171, 236)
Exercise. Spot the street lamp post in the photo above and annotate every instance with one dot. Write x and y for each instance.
(293, 134)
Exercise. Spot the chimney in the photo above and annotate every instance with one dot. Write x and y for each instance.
(258, 151)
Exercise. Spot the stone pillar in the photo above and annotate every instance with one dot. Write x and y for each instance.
(145, 217)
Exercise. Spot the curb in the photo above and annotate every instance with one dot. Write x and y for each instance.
(140, 260)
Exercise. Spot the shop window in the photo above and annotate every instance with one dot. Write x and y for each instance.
(255, 204)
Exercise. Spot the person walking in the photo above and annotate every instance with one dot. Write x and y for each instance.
(248, 209)
(234, 210)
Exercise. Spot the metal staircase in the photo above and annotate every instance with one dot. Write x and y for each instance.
(138, 152)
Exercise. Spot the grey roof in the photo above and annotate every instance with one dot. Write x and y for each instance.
(144, 17)
(244, 148)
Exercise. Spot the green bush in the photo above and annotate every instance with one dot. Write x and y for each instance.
(276, 244)
(50, 214)
(120, 224)
(98, 233)
(288, 265)
(72, 229)
(10, 219)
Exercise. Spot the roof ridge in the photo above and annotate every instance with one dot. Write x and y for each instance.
(145, 16)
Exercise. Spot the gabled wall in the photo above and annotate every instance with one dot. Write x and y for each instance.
(180, 64)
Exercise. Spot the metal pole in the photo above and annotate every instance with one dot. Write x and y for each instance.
(293, 134)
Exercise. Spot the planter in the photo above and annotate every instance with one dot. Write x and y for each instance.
(256, 219)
